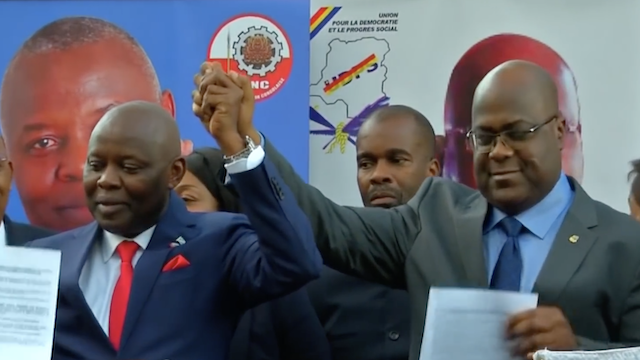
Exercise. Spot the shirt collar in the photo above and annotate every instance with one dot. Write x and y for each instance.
(111, 241)
(539, 218)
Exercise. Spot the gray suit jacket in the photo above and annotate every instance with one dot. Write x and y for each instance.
(436, 240)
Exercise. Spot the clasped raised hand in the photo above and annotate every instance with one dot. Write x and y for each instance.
(217, 102)
(204, 111)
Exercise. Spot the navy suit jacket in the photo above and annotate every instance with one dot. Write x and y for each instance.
(282, 329)
(191, 313)
(18, 234)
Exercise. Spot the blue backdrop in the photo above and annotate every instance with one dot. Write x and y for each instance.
(176, 36)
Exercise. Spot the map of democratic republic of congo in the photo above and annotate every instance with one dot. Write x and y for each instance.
(350, 87)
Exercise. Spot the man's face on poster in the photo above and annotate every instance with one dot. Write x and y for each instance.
(52, 101)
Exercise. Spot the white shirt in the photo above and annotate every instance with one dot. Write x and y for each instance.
(102, 270)
(251, 162)
(255, 159)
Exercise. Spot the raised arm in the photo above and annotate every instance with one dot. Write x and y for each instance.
(370, 243)
(277, 254)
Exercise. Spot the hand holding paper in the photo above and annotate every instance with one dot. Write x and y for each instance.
(471, 324)
(544, 327)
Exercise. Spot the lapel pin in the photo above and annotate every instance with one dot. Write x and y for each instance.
(574, 239)
(179, 241)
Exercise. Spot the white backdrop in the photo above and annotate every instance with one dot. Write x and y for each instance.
(598, 39)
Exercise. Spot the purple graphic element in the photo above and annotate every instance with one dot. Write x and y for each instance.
(351, 128)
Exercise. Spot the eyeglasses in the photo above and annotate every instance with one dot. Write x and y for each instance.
(484, 142)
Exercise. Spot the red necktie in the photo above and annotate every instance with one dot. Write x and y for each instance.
(126, 250)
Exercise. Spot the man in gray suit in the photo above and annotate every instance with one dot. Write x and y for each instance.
(396, 151)
(528, 219)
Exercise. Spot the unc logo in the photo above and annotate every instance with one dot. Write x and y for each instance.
(256, 46)
(257, 51)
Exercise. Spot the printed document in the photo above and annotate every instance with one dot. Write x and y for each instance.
(28, 298)
(470, 324)
(613, 354)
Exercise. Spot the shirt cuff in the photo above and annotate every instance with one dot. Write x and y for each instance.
(249, 163)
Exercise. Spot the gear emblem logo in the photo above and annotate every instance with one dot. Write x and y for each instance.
(257, 51)
(257, 47)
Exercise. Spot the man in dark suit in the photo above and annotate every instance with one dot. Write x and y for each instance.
(365, 320)
(528, 219)
(13, 233)
(286, 328)
(195, 273)
(18, 234)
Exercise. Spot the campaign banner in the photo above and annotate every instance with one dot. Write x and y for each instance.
(65, 63)
(431, 55)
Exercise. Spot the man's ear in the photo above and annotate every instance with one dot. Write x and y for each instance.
(440, 146)
(177, 171)
(560, 128)
(168, 102)
(434, 168)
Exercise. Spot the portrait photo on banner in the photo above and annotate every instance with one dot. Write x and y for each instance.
(71, 62)
(432, 55)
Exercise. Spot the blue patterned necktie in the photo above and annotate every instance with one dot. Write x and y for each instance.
(508, 270)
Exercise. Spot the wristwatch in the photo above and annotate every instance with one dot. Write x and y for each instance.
(242, 154)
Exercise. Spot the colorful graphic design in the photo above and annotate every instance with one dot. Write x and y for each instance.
(321, 18)
(345, 131)
(348, 76)
(352, 83)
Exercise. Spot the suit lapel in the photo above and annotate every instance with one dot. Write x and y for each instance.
(74, 256)
(175, 222)
(469, 239)
(565, 256)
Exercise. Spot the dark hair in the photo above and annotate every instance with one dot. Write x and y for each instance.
(424, 125)
(207, 165)
(634, 177)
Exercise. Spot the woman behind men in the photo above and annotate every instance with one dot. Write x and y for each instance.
(283, 329)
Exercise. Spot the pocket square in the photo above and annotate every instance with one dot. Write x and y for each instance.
(177, 262)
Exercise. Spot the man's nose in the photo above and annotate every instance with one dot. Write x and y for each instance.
(110, 178)
(500, 150)
(381, 174)
(71, 164)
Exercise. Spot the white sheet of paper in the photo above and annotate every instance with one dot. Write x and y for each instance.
(613, 354)
(28, 298)
(470, 324)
